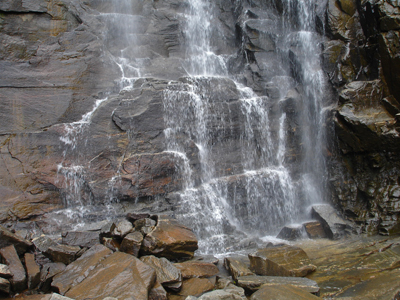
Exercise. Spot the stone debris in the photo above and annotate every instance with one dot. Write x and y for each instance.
(282, 260)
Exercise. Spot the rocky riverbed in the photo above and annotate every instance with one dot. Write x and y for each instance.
(143, 256)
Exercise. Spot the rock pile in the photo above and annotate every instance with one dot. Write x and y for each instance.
(141, 257)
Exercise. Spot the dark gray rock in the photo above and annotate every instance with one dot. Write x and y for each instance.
(335, 227)
(47, 273)
(81, 238)
(291, 232)
(145, 226)
(10, 257)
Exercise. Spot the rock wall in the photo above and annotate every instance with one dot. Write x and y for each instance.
(58, 61)
(361, 59)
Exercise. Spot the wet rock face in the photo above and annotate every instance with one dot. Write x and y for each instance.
(360, 60)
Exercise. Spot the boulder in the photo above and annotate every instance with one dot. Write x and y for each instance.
(56, 296)
(5, 271)
(47, 273)
(8, 238)
(291, 232)
(32, 270)
(282, 292)
(131, 243)
(122, 228)
(253, 283)
(170, 239)
(314, 230)
(107, 229)
(145, 225)
(119, 275)
(43, 243)
(76, 271)
(132, 217)
(191, 269)
(335, 227)
(80, 238)
(156, 293)
(195, 287)
(167, 274)
(4, 286)
(62, 253)
(111, 243)
(10, 256)
(221, 295)
(282, 260)
(237, 266)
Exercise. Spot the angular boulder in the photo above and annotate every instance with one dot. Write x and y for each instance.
(167, 274)
(47, 274)
(81, 238)
(156, 293)
(237, 266)
(131, 243)
(5, 271)
(170, 239)
(10, 256)
(282, 292)
(32, 270)
(8, 238)
(145, 225)
(122, 229)
(75, 272)
(314, 230)
(282, 260)
(120, 275)
(63, 253)
(221, 295)
(195, 287)
(334, 226)
(191, 269)
(253, 283)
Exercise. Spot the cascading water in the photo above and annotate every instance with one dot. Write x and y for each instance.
(264, 192)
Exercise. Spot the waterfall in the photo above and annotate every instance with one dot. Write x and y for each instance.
(264, 192)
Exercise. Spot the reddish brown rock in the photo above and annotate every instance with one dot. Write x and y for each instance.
(196, 287)
(314, 230)
(75, 272)
(32, 270)
(18, 280)
(120, 275)
(281, 261)
(191, 269)
(171, 240)
(157, 292)
(131, 243)
(63, 253)
(47, 274)
(237, 266)
(167, 274)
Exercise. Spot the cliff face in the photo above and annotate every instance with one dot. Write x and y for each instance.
(362, 59)
(72, 135)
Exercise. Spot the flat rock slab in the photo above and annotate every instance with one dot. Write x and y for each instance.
(253, 283)
(334, 226)
(282, 292)
(238, 266)
(282, 260)
(195, 287)
(10, 256)
(8, 238)
(81, 238)
(191, 269)
(120, 275)
(171, 240)
(75, 272)
(62, 253)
